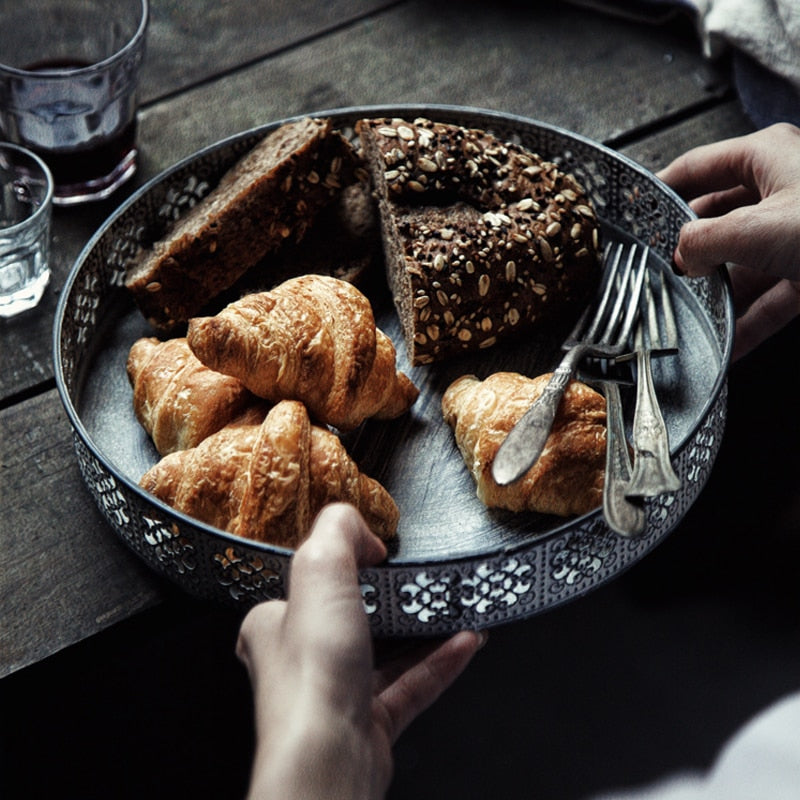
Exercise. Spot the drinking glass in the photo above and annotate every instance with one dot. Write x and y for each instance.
(26, 191)
(69, 74)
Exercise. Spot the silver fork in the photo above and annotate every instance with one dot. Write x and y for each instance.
(623, 515)
(603, 331)
(656, 334)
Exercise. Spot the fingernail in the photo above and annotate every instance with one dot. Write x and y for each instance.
(483, 637)
(677, 267)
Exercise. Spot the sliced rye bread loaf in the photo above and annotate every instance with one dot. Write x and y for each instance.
(272, 194)
(482, 238)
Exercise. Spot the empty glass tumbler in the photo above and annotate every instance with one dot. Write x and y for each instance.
(26, 192)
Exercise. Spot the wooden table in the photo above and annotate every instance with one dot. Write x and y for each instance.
(109, 674)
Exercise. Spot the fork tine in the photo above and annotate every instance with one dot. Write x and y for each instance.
(629, 289)
(607, 307)
(650, 328)
(661, 328)
(633, 301)
(595, 311)
(608, 286)
(620, 285)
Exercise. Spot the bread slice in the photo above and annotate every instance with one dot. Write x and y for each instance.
(271, 195)
(343, 242)
(482, 238)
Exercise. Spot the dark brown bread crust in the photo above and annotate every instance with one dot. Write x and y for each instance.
(272, 194)
(343, 242)
(482, 238)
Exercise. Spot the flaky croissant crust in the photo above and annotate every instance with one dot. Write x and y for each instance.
(267, 480)
(176, 398)
(314, 339)
(568, 477)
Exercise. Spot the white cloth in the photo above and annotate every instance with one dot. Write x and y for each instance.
(766, 30)
(761, 762)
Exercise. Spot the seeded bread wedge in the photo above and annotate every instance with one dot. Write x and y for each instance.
(343, 241)
(271, 195)
(482, 239)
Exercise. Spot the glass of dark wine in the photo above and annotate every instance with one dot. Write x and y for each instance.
(69, 74)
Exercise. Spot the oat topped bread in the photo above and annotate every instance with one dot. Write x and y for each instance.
(482, 238)
(272, 194)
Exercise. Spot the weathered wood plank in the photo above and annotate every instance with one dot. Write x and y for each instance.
(723, 122)
(63, 574)
(188, 43)
(586, 72)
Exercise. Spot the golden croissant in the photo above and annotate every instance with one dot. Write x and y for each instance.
(568, 476)
(176, 398)
(267, 480)
(313, 339)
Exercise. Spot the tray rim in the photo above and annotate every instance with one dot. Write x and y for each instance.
(416, 109)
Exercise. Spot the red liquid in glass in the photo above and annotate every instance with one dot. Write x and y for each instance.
(82, 165)
(89, 162)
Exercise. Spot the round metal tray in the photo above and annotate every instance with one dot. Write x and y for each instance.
(456, 564)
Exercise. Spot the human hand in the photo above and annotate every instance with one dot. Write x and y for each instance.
(746, 192)
(326, 718)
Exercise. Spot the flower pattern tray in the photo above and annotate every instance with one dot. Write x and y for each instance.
(456, 564)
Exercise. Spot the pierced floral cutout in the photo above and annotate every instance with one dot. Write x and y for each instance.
(249, 576)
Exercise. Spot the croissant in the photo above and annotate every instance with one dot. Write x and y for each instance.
(176, 398)
(568, 476)
(312, 338)
(267, 480)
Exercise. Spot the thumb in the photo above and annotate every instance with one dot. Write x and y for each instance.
(408, 692)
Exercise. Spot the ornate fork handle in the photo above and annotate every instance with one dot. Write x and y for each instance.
(652, 468)
(526, 440)
(622, 516)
